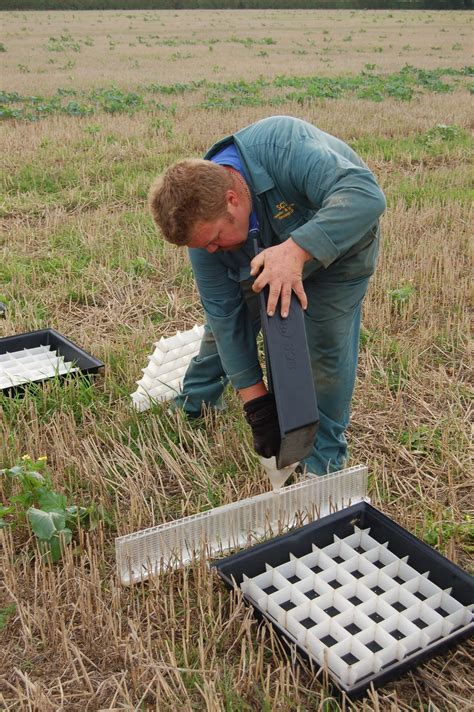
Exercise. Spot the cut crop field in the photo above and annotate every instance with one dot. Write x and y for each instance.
(93, 106)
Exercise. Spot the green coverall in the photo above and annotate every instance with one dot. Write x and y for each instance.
(313, 187)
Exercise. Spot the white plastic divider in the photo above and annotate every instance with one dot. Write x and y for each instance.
(313, 587)
(163, 376)
(234, 525)
(350, 660)
(356, 593)
(358, 566)
(282, 601)
(317, 560)
(356, 607)
(336, 576)
(34, 364)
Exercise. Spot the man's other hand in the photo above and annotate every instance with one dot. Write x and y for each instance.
(261, 415)
(281, 268)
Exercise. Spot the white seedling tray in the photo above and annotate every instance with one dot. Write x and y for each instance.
(163, 376)
(32, 364)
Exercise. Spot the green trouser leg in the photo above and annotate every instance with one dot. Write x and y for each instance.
(205, 379)
(332, 330)
(332, 322)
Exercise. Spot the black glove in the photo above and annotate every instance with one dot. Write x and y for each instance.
(261, 415)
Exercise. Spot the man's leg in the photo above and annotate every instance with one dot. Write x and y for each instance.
(332, 329)
(205, 379)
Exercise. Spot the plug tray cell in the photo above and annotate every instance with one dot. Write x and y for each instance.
(291, 380)
(39, 355)
(357, 594)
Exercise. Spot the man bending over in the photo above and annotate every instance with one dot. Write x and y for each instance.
(313, 206)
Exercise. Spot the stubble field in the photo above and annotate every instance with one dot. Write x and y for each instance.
(94, 105)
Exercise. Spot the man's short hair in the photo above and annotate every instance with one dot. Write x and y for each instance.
(189, 192)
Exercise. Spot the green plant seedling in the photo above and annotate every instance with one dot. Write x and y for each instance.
(401, 295)
(32, 499)
(440, 533)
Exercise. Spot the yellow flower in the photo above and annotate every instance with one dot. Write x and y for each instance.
(43, 458)
(26, 457)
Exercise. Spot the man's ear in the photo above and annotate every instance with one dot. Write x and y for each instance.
(232, 198)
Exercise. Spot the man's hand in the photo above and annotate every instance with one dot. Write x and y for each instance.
(261, 415)
(281, 268)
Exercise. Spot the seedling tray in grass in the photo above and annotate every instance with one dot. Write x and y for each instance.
(358, 595)
(37, 356)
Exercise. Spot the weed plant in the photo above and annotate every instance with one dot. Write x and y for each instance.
(32, 499)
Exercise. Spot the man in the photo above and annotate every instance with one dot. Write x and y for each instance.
(313, 205)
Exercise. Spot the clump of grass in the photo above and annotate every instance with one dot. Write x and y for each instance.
(63, 43)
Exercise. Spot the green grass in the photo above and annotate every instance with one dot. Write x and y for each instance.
(88, 178)
(6, 614)
(77, 396)
(441, 186)
(441, 531)
(439, 142)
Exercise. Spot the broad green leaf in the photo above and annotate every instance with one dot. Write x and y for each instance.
(52, 501)
(79, 512)
(45, 524)
(15, 470)
(402, 294)
(25, 499)
(54, 546)
(3, 512)
(35, 477)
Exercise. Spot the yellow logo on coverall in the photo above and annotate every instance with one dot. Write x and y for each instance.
(284, 210)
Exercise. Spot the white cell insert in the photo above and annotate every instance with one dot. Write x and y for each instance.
(35, 364)
(163, 376)
(355, 607)
(231, 526)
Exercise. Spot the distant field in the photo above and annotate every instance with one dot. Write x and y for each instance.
(93, 106)
(47, 50)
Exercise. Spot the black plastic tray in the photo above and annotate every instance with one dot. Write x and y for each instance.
(401, 543)
(291, 380)
(49, 337)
